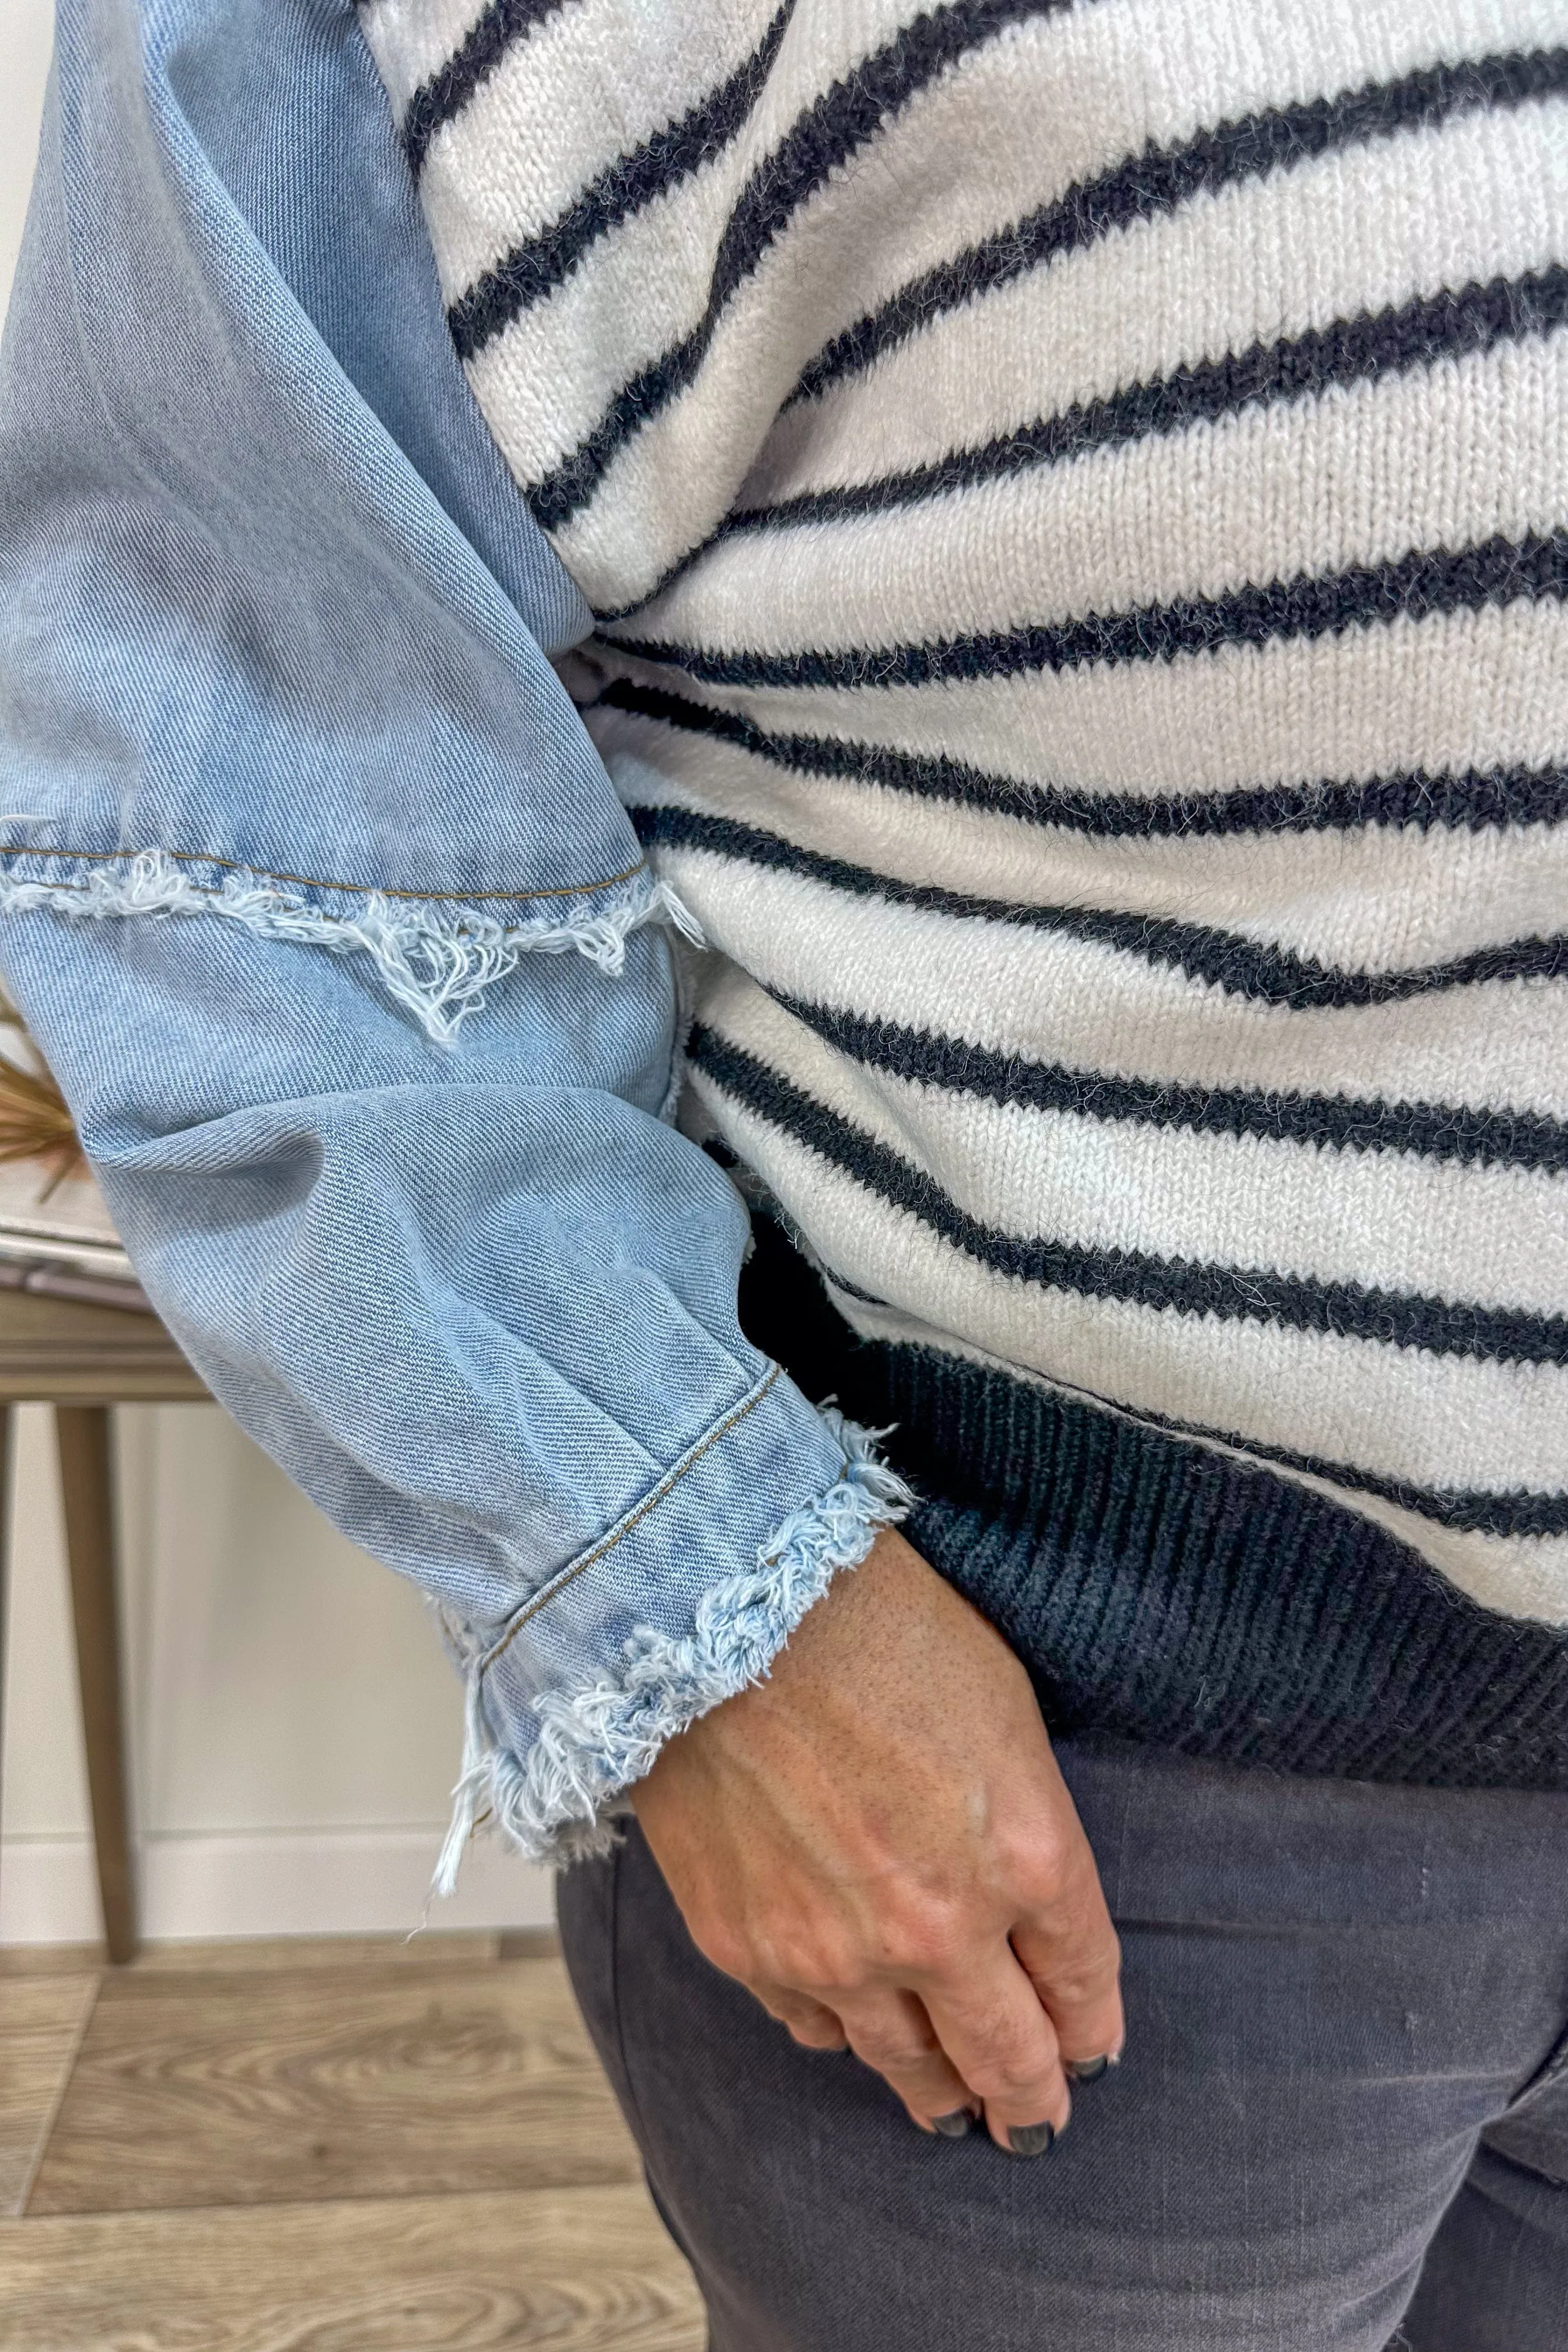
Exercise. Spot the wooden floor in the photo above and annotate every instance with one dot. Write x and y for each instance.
(320, 2147)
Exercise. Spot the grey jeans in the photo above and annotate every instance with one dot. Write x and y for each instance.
(1341, 2120)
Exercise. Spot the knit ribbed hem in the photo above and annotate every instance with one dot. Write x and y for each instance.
(1160, 1590)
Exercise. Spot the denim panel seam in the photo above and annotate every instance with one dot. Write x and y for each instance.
(434, 961)
(640, 1511)
(9, 850)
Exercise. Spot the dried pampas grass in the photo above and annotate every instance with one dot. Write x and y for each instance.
(35, 1123)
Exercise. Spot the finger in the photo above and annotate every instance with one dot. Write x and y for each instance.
(1068, 1950)
(997, 2035)
(892, 2031)
(811, 2023)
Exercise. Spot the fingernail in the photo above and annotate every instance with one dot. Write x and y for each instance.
(1031, 2139)
(957, 2126)
(1089, 2070)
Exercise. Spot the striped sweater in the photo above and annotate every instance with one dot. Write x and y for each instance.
(1075, 501)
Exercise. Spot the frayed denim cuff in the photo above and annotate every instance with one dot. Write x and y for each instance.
(572, 1701)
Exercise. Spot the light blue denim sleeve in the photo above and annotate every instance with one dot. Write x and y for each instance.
(321, 906)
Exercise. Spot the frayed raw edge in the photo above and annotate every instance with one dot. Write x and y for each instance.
(436, 965)
(553, 1808)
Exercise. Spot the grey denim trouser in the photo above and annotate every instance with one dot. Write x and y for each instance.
(1343, 2104)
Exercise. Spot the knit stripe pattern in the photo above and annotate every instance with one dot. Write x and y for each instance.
(1075, 502)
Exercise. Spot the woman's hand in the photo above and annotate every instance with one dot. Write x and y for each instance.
(877, 1843)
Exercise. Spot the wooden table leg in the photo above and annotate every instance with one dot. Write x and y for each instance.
(87, 1492)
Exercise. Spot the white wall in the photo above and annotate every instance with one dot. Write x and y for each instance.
(24, 63)
(294, 1724)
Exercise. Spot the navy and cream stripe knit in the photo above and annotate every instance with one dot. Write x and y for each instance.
(1075, 501)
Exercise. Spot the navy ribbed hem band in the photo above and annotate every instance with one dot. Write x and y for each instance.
(1160, 1590)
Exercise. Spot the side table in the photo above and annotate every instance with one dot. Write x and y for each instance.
(83, 1360)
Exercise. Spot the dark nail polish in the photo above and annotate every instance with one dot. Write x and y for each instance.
(1088, 2069)
(957, 2126)
(1031, 2139)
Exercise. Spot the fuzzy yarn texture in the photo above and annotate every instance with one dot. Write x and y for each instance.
(1074, 494)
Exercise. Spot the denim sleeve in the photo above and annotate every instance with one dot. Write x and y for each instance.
(320, 904)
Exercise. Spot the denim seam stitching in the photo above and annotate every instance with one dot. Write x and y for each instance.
(654, 1495)
(437, 962)
(616, 1861)
(311, 882)
(1551, 2071)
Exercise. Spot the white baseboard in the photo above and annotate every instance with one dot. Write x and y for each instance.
(267, 1883)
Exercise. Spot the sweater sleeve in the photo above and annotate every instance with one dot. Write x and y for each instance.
(320, 904)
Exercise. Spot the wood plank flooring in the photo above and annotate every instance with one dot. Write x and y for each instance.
(589, 2270)
(330, 2147)
(41, 2022)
